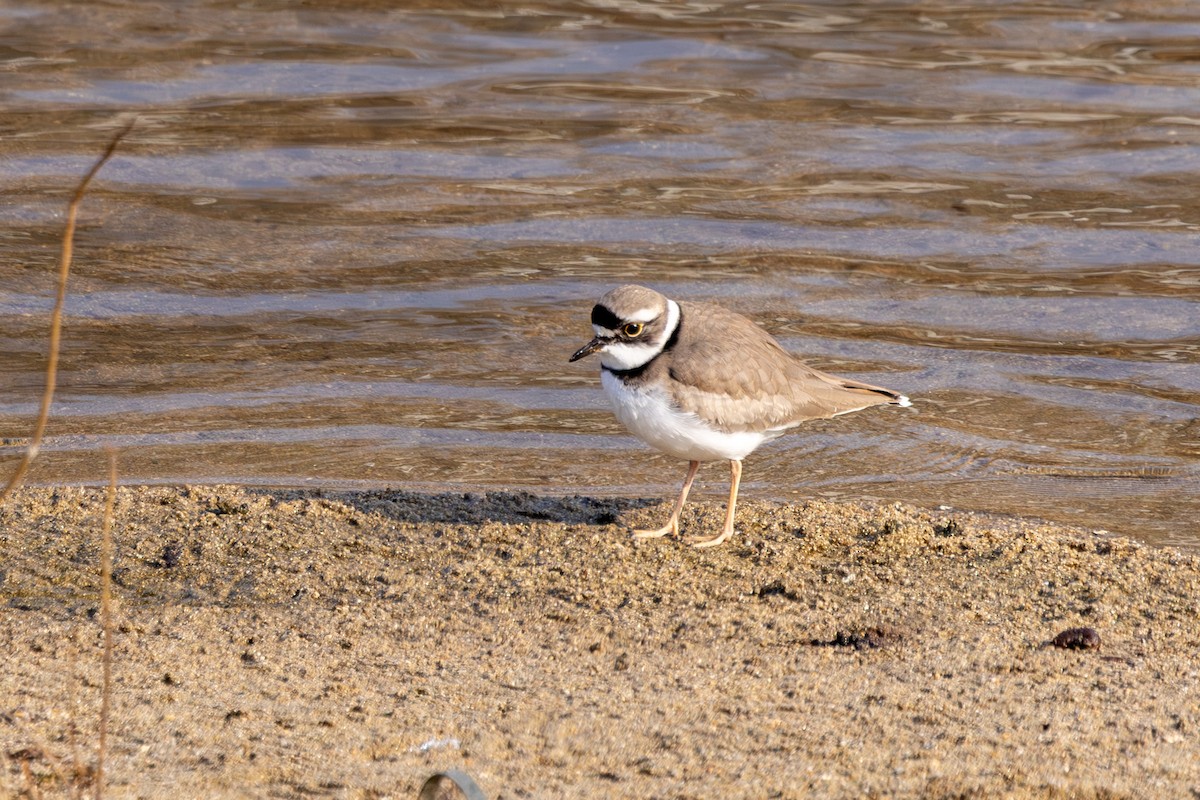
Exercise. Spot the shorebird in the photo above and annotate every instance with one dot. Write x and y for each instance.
(701, 383)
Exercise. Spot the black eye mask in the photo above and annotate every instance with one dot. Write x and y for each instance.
(605, 318)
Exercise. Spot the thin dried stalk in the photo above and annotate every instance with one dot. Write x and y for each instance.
(106, 553)
(64, 272)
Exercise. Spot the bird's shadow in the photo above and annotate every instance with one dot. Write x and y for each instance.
(475, 508)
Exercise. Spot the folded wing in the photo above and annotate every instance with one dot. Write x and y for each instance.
(740, 379)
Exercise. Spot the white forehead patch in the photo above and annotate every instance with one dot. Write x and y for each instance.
(643, 315)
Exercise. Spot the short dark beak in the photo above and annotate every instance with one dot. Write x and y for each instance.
(588, 349)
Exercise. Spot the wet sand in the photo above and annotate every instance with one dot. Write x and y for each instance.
(348, 644)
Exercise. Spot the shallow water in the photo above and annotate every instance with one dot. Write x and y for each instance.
(356, 245)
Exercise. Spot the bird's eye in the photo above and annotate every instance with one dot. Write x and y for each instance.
(633, 329)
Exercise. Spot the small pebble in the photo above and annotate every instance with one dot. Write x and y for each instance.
(1077, 639)
(171, 554)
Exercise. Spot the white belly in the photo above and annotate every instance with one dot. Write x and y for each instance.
(650, 416)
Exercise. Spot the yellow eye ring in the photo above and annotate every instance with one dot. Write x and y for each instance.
(632, 329)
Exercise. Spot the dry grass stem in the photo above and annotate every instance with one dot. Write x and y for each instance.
(77, 766)
(106, 552)
(64, 272)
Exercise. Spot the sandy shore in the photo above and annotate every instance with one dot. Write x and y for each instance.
(305, 644)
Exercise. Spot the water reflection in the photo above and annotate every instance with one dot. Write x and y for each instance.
(354, 244)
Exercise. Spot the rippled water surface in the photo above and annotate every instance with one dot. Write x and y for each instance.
(351, 244)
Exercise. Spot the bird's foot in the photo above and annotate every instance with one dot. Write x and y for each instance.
(670, 529)
(716, 540)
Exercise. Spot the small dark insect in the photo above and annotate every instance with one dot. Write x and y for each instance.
(1077, 639)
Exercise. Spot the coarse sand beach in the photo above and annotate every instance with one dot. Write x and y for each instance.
(275, 643)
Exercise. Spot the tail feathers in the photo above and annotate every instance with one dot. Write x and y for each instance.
(893, 398)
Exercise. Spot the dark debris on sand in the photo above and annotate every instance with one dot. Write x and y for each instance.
(275, 642)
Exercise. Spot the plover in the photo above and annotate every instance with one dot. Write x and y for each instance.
(702, 383)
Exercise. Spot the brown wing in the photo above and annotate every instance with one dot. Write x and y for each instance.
(740, 379)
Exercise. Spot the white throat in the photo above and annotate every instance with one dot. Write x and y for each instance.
(631, 355)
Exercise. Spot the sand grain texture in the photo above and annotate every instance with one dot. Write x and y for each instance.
(348, 644)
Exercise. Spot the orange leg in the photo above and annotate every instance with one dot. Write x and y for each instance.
(735, 479)
(672, 526)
